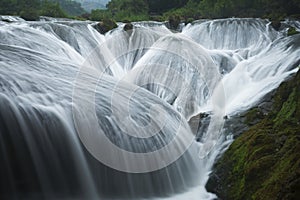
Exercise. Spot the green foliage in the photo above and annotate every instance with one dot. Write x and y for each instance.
(130, 6)
(98, 15)
(29, 9)
(292, 31)
(137, 10)
(71, 8)
(158, 6)
(8, 7)
(273, 9)
(190, 11)
(29, 14)
(128, 10)
(52, 10)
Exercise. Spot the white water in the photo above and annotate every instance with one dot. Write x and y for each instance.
(241, 59)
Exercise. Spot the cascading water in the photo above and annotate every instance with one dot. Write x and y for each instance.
(152, 81)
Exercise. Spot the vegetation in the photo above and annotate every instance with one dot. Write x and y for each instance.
(29, 14)
(264, 162)
(71, 8)
(51, 9)
(292, 31)
(274, 9)
(158, 6)
(97, 15)
(128, 10)
(137, 10)
(188, 10)
(32, 9)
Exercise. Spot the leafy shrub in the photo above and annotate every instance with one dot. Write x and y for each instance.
(98, 15)
(52, 10)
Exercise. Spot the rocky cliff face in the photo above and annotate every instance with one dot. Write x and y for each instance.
(264, 161)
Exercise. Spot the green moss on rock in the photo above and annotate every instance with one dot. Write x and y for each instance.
(292, 31)
(264, 162)
(253, 116)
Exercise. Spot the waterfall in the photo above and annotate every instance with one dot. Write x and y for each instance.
(91, 116)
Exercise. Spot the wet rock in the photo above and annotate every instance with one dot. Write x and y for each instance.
(199, 124)
(276, 24)
(174, 22)
(128, 27)
(235, 125)
(105, 25)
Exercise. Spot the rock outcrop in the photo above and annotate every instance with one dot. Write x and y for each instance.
(105, 25)
(264, 161)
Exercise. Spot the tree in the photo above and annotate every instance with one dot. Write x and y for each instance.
(159, 6)
(8, 7)
(71, 8)
(128, 10)
(52, 10)
(98, 15)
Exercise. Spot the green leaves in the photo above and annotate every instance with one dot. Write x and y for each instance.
(52, 10)
(30, 9)
(123, 10)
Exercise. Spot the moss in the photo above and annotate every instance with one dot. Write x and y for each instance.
(253, 116)
(292, 31)
(287, 110)
(264, 162)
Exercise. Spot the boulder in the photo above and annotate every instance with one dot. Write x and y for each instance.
(128, 27)
(105, 25)
(174, 22)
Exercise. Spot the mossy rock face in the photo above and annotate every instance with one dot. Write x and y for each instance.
(253, 116)
(292, 31)
(105, 25)
(264, 162)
